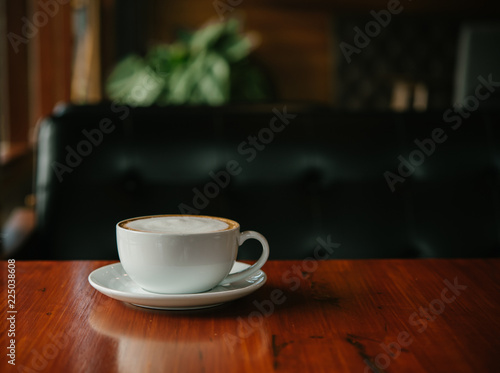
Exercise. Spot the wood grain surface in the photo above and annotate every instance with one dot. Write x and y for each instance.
(428, 315)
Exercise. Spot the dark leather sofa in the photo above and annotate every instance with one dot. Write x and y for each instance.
(370, 185)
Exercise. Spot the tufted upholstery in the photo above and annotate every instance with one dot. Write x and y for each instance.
(319, 177)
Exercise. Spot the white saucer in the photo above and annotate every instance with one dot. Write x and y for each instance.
(113, 281)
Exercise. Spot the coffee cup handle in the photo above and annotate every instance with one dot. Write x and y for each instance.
(254, 267)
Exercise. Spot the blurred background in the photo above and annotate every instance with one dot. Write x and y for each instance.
(349, 55)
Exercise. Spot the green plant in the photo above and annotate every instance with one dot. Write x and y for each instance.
(210, 66)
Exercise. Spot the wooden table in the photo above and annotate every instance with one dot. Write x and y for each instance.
(330, 316)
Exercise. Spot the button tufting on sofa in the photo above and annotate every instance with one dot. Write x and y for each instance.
(322, 178)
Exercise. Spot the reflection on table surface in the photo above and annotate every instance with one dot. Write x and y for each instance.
(336, 315)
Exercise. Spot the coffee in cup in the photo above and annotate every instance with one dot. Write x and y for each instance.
(175, 254)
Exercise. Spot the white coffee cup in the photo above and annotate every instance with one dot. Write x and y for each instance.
(175, 254)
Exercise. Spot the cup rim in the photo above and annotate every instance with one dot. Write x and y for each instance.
(230, 222)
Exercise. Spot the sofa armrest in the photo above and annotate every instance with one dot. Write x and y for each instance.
(17, 232)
